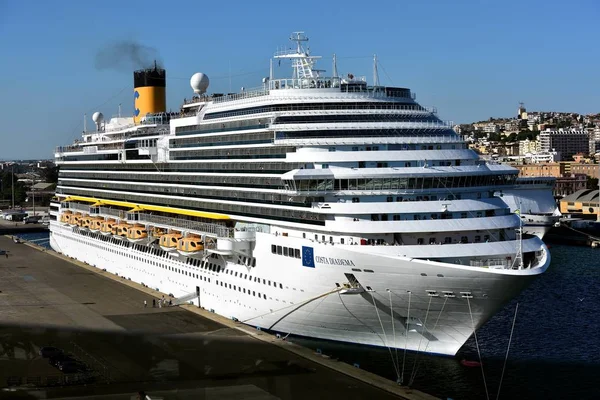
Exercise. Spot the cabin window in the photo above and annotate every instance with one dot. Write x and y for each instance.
(279, 250)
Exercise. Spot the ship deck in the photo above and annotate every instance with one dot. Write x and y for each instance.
(49, 300)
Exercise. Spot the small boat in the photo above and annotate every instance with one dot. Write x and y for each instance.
(96, 224)
(65, 217)
(74, 219)
(85, 222)
(106, 227)
(120, 229)
(137, 233)
(189, 246)
(470, 363)
(168, 241)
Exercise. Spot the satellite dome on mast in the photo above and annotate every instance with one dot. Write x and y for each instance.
(98, 118)
(199, 82)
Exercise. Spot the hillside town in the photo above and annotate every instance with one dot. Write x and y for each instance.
(563, 145)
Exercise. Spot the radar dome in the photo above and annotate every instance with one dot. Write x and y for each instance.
(97, 117)
(199, 82)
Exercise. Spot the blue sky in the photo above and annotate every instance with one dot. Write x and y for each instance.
(470, 59)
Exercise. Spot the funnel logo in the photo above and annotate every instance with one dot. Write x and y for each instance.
(136, 95)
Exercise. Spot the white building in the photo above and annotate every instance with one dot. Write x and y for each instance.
(491, 128)
(529, 146)
(541, 158)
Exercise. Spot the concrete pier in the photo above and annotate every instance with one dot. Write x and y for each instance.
(183, 352)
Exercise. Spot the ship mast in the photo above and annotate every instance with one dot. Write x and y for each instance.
(302, 61)
(519, 256)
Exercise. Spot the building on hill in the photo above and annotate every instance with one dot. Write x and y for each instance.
(565, 142)
(529, 146)
(588, 169)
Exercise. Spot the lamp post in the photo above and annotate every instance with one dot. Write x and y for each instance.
(12, 175)
(33, 194)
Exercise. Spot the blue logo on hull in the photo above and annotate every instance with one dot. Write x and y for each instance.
(308, 257)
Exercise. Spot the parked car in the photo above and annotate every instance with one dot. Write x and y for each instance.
(71, 366)
(32, 219)
(50, 351)
(60, 359)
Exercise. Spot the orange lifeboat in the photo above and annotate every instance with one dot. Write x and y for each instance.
(189, 246)
(75, 219)
(137, 233)
(96, 224)
(120, 229)
(65, 217)
(168, 241)
(85, 222)
(106, 227)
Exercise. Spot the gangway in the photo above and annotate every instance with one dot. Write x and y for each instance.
(187, 297)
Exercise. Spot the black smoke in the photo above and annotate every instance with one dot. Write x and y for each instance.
(126, 56)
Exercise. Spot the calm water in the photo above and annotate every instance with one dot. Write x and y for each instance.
(554, 354)
(555, 350)
(39, 238)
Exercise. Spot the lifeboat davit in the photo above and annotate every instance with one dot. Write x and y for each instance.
(120, 229)
(168, 241)
(189, 246)
(106, 227)
(65, 217)
(137, 233)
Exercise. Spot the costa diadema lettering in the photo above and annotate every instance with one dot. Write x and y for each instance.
(333, 261)
(314, 186)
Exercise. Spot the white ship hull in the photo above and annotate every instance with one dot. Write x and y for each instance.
(538, 225)
(398, 290)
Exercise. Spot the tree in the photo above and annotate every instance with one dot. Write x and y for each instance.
(592, 183)
(50, 174)
(6, 181)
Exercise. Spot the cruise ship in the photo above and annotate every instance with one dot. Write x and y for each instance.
(316, 205)
(533, 200)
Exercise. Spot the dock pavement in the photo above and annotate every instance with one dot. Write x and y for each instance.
(183, 352)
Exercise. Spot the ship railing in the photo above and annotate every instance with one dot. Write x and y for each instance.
(366, 139)
(305, 83)
(336, 125)
(416, 123)
(113, 212)
(208, 228)
(246, 94)
(500, 263)
(77, 207)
